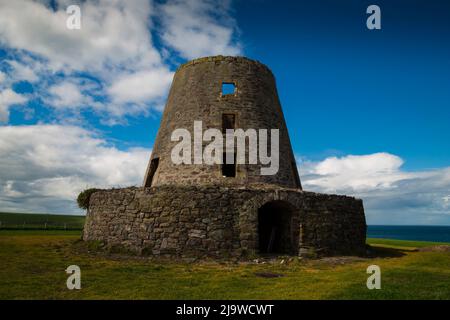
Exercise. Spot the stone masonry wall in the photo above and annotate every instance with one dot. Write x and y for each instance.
(220, 221)
(195, 95)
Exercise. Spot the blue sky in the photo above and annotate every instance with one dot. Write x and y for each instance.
(367, 110)
(369, 90)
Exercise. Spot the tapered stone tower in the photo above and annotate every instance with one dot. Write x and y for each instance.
(197, 94)
(224, 209)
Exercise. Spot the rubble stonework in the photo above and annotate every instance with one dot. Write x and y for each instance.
(221, 221)
(196, 95)
(194, 210)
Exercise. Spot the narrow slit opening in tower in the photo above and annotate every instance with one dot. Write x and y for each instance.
(229, 169)
(276, 231)
(296, 176)
(228, 121)
(153, 167)
(228, 88)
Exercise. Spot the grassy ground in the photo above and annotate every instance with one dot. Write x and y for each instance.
(36, 221)
(34, 263)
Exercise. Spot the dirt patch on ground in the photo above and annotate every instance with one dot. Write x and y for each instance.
(268, 275)
(336, 261)
(438, 248)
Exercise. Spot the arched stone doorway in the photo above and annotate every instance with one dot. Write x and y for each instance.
(278, 228)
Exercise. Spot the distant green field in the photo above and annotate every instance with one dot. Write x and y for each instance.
(403, 244)
(38, 221)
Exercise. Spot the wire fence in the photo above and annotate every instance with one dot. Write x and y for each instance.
(37, 225)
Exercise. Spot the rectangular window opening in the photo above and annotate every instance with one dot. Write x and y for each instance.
(228, 169)
(228, 122)
(228, 88)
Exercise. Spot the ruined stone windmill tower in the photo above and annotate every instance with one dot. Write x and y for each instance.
(224, 209)
(198, 94)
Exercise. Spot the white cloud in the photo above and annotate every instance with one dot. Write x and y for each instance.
(22, 72)
(111, 66)
(358, 173)
(391, 195)
(115, 46)
(8, 98)
(112, 32)
(66, 95)
(141, 86)
(199, 28)
(44, 167)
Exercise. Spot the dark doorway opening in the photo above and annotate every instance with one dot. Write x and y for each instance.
(153, 167)
(277, 229)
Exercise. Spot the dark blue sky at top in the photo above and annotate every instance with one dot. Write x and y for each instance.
(344, 89)
(349, 90)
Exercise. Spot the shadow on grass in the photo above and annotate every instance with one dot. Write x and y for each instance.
(98, 248)
(385, 252)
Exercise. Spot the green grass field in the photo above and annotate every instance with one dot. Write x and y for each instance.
(36, 221)
(34, 263)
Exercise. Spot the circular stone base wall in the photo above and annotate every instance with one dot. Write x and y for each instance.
(222, 222)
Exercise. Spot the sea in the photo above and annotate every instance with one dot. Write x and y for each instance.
(417, 233)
